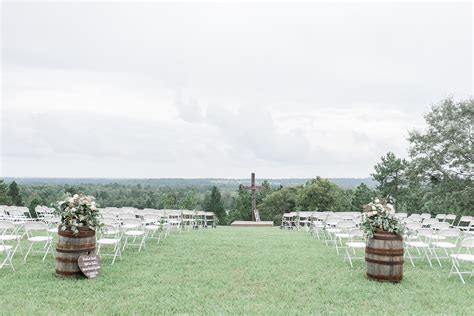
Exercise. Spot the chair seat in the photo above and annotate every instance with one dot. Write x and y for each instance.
(40, 238)
(129, 226)
(10, 237)
(417, 244)
(342, 235)
(53, 230)
(108, 241)
(443, 244)
(134, 233)
(152, 227)
(333, 230)
(5, 248)
(355, 244)
(436, 237)
(463, 257)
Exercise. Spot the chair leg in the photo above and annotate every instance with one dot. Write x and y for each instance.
(29, 249)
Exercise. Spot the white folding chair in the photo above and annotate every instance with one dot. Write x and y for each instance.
(440, 217)
(8, 251)
(463, 256)
(153, 225)
(343, 234)
(356, 242)
(447, 242)
(429, 221)
(464, 222)
(133, 229)
(8, 234)
(37, 233)
(421, 246)
(110, 237)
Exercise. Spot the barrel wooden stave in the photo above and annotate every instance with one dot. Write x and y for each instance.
(70, 247)
(384, 257)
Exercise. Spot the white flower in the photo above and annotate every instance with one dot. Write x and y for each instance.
(377, 200)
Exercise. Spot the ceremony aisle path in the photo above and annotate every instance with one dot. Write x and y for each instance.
(230, 271)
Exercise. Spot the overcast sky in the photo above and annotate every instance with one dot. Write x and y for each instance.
(208, 90)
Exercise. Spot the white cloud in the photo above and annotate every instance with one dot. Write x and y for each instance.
(216, 90)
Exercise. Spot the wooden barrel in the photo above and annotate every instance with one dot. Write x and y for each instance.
(384, 257)
(70, 247)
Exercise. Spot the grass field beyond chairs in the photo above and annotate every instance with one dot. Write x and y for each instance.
(231, 271)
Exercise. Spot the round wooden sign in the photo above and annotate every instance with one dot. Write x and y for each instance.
(89, 265)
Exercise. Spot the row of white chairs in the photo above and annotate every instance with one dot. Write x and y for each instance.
(437, 242)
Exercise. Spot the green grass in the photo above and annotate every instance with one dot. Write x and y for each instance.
(231, 271)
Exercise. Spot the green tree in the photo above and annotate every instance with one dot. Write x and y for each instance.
(320, 195)
(389, 173)
(14, 194)
(4, 197)
(214, 204)
(445, 147)
(276, 203)
(361, 196)
(189, 202)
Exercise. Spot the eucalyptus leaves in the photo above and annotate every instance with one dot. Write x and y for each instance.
(379, 215)
(78, 211)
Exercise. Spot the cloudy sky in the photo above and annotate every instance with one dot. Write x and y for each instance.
(220, 90)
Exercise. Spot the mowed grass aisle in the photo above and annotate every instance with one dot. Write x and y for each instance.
(231, 271)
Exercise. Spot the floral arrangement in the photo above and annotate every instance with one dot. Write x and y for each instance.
(380, 215)
(78, 211)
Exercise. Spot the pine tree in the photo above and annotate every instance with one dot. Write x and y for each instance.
(14, 194)
(4, 198)
(214, 204)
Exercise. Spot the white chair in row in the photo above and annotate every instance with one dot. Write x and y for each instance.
(464, 257)
(110, 236)
(37, 234)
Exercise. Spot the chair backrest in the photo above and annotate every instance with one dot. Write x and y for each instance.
(429, 221)
(440, 217)
(109, 231)
(451, 218)
(109, 221)
(450, 233)
(401, 215)
(413, 226)
(441, 225)
(425, 232)
(130, 223)
(126, 216)
(152, 218)
(346, 225)
(425, 215)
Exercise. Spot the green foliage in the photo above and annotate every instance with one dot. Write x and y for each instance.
(361, 196)
(189, 202)
(14, 194)
(321, 195)
(4, 198)
(78, 211)
(213, 203)
(389, 173)
(242, 204)
(378, 216)
(278, 202)
(446, 147)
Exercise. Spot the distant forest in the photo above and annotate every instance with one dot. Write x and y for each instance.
(221, 183)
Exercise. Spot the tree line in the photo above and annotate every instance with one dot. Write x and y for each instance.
(436, 178)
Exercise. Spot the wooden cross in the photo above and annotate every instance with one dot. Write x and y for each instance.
(253, 188)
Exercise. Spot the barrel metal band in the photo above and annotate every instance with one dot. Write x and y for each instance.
(70, 250)
(387, 252)
(386, 263)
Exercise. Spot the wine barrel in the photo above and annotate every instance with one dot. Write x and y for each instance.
(70, 247)
(384, 257)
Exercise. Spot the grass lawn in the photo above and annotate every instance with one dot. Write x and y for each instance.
(231, 271)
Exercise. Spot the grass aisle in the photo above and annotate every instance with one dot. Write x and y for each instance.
(231, 271)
